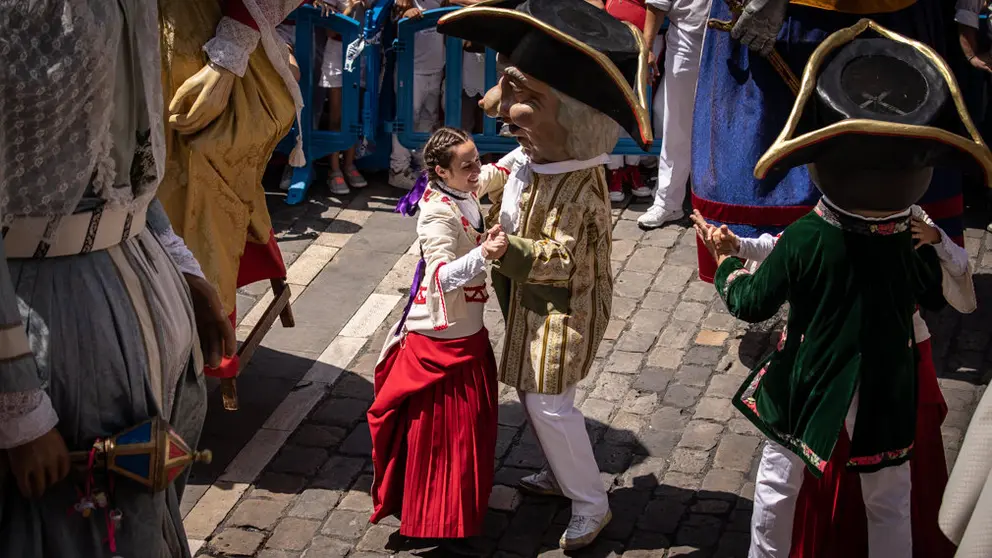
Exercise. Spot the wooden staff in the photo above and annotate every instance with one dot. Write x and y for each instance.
(776, 60)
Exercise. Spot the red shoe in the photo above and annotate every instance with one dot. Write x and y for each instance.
(616, 184)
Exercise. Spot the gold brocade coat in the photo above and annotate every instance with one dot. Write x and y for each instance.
(555, 283)
(212, 189)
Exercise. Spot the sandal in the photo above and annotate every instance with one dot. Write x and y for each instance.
(337, 185)
(355, 178)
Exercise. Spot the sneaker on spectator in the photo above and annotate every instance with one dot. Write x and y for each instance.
(354, 178)
(638, 189)
(616, 184)
(657, 216)
(403, 180)
(337, 185)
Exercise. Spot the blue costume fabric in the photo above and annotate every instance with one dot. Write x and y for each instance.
(742, 104)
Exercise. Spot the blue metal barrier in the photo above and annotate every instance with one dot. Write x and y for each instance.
(319, 143)
(487, 142)
(367, 116)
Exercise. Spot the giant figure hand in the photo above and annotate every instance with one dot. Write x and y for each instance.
(201, 99)
(759, 24)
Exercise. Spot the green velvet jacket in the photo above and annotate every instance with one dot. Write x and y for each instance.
(852, 286)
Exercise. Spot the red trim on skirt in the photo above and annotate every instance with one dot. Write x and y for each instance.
(830, 514)
(433, 426)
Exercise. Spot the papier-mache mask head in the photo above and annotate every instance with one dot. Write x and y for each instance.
(873, 116)
(569, 73)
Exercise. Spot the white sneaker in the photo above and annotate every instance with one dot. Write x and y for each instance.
(656, 216)
(582, 530)
(541, 484)
(402, 180)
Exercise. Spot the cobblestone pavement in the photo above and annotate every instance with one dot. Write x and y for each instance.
(292, 471)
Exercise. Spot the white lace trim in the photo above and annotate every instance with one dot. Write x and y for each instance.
(25, 416)
(60, 89)
(232, 45)
(179, 253)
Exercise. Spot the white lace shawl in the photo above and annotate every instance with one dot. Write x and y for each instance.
(59, 78)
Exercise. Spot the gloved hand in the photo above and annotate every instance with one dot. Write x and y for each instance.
(208, 91)
(759, 25)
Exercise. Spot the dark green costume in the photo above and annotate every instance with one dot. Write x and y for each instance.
(852, 286)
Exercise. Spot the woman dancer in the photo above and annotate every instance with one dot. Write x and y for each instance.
(433, 421)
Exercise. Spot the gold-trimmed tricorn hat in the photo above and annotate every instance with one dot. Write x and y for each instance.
(881, 103)
(572, 46)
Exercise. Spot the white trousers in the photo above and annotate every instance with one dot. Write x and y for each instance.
(780, 476)
(561, 431)
(426, 114)
(678, 95)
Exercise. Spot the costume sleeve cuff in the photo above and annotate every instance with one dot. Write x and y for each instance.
(967, 18)
(232, 45)
(25, 417)
(175, 247)
(729, 270)
(518, 260)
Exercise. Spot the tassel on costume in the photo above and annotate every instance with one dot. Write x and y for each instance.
(297, 158)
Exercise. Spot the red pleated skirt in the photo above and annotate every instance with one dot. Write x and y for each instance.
(433, 426)
(830, 513)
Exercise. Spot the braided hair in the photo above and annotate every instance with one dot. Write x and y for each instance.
(437, 152)
(438, 149)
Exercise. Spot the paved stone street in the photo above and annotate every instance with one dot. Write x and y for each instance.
(292, 471)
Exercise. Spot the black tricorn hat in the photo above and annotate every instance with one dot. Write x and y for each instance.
(572, 46)
(886, 103)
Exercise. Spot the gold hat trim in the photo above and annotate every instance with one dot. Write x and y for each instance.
(785, 144)
(636, 100)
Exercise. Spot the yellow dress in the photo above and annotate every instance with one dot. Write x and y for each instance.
(212, 189)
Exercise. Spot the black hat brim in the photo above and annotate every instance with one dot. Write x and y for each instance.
(872, 139)
(565, 62)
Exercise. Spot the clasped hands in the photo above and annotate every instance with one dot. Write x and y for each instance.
(721, 242)
(495, 244)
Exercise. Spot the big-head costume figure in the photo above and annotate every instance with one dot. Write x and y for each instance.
(742, 103)
(852, 277)
(569, 74)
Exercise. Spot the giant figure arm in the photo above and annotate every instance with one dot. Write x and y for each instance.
(755, 297)
(546, 260)
(26, 412)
